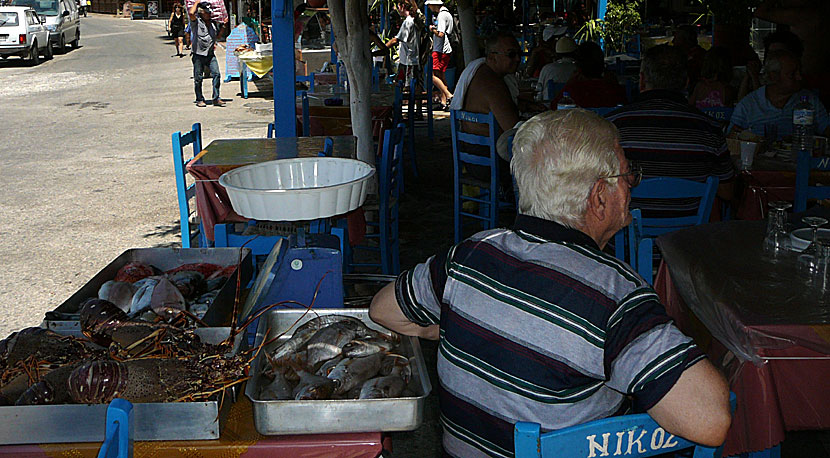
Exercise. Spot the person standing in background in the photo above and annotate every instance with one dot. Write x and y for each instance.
(203, 35)
(407, 38)
(177, 28)
(441, 49)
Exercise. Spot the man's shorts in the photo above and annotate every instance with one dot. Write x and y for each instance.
(440, 61)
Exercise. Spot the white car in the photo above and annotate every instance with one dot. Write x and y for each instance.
(62, 21)
(23, 33)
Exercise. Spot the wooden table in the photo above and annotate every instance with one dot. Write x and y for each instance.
(238, 439)
(758, 321)
(223, 155)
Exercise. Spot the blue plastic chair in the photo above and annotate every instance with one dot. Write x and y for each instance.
(663, 188)
(390, 178)
(118, 439)
(184, 191)
(306, 79)
(803, 190)
(632, 435)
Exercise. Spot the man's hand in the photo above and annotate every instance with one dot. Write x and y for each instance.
(385, 311)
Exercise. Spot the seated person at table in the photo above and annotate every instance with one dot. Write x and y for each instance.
(589, 87)
(713, 89)
(773, 103)
(543, 54)
(668, 137)
(537, 323)
(559, 71)
(685, 38)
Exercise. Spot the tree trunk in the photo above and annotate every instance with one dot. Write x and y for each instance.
(469, 40)
(350, 21)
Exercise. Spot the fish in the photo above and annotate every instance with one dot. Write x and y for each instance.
(328, 342)
(119, 293)
(158, 294)
(278, 389)
(393, 364)
(303, 334)
(389, 386)
(327, 366)
(313, 387)
(366, 347)
(351, 372)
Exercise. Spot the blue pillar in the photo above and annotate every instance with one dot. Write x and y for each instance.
(602, 5)
(282, 36)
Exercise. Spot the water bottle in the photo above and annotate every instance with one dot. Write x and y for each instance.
(803, 126)
(566, 102)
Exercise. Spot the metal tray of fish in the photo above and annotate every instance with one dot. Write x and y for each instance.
(340, 415)
(64, 318)
(158, 421)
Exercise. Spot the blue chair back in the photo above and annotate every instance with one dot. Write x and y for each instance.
(271, 128)
(635, 245)
(306, 115)
(306, 79)
(184, 191)
(627, 435)
(803, 190)
(413, 87)
(676, 188)
(328, 147)
(463, 155)
(118, 439)
(720, 114)
(375, 79)
(390, 178)
(553, 89)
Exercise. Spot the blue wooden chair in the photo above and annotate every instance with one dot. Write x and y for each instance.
(602, 111)
(627, 435)
(271, 129)
(185, 191)
(803, 190)
(390, 180)
(410, 124)
(306, 115)
(465, 154)
(553, 89)
(306, 79)
(649, 228)
(720, 114)
(118, 439)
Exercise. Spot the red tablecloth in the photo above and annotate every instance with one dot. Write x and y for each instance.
(774, 397)
(337, 120)
(756, 188)
(238, 439)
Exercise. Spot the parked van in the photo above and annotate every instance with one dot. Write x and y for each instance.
(62, 20)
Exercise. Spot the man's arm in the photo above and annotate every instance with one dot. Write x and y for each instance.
(500, 103)
(697, 406)
(191, 12)
(385, 311)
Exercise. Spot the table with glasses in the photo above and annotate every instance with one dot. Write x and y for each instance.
(336, 119)
(222, 155)
(759, 320)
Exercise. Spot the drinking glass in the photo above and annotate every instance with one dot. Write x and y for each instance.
(814, 222)
(777, 241)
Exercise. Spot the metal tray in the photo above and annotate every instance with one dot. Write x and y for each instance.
(65, 316)
(337, 416)
(161, 421)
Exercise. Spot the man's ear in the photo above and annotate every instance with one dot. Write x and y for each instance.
(597, 200)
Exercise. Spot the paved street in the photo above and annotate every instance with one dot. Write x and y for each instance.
(85, 157)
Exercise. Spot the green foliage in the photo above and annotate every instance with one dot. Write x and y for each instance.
(622, 20)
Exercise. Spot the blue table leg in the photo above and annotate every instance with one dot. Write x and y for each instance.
(243, 79)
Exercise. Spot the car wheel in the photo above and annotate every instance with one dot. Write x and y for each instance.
(47, 52)
(61, 44)
(76, 43)
(34, 55)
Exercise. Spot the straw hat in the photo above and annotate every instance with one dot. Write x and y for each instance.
(565, 45)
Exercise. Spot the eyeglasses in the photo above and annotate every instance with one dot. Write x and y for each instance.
(634, 175)
(510, 54)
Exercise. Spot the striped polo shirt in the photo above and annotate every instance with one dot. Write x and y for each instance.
(755, 110)
(538, 324)
(670, 138)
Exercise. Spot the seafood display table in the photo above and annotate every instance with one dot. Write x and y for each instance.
(239, 439)
(223, 155)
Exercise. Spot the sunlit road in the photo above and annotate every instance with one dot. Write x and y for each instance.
(85, 158)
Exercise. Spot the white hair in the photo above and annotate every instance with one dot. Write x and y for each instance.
(557, 158)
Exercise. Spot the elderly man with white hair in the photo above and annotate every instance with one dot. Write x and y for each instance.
(536, 323)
